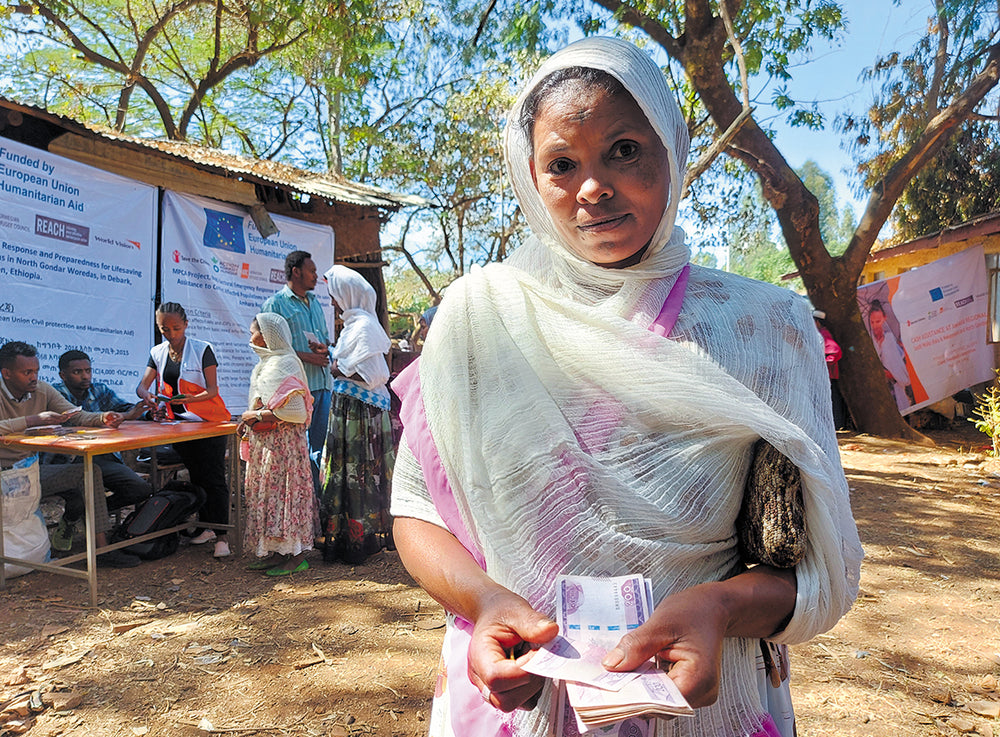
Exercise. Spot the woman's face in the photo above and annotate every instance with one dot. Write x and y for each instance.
(601, 171)
(256, 337)
(171, 327)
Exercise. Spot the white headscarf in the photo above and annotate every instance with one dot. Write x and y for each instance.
(278, 361)
(362, 343)
(576, 441)
(667, 252)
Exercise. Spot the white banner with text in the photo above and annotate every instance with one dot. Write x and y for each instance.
(77, 263)
(928, 327)
(218, 266)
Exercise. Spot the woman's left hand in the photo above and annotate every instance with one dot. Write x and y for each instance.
(686, 631)
(687, 628)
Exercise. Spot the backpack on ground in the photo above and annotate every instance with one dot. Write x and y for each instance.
(168, 507)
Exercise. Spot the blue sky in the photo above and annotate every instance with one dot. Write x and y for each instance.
(832, 79)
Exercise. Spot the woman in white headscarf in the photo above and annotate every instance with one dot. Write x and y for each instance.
(359, 452)
(281, 511)
(590, 408)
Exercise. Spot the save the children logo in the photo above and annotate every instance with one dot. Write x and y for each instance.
(177, 256)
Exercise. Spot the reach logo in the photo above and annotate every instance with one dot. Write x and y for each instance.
(61, 230)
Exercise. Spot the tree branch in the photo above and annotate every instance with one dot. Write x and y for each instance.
(888, 189)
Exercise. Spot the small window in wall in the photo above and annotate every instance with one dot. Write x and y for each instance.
(993, 290)
(878, 276)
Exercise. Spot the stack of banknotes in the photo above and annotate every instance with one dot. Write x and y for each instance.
(593, 614)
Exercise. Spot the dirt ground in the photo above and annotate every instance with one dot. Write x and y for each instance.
(191, 645)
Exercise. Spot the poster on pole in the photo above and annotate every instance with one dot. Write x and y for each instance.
(928, 327)
(77, 263)
(216, 264)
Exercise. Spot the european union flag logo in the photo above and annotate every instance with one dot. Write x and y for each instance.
(224, 231)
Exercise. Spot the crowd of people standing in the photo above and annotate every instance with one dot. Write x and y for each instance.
(316, 435)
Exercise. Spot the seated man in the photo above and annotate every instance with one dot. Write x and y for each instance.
(125, 485)
(27, 402)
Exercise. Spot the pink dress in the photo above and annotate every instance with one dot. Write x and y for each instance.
(281, 511)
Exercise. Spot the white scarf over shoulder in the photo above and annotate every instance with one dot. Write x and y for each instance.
(277, 363)
(578, 442)
(362, 342)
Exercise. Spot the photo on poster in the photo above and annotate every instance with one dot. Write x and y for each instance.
(883, 329)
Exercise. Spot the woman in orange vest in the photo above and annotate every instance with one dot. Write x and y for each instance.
(184, 370)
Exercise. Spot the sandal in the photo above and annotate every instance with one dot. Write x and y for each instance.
(262, 564)
(279, 571)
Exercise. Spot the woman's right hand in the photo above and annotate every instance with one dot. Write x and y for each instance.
(147, 398)
(504, 632)
(504, 621)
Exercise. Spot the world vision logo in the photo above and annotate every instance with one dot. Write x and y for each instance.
(115, 242)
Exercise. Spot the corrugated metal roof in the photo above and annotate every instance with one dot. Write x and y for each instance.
(982, 225)
(325, 186)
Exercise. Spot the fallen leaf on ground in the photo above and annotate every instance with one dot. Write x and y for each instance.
(940, 695)
(62, 700)
(985, 708)
(16, 726)
(987, 684)
(53, 629)
(18, 677)
(65, 660)
(962, 725)
(117, 629)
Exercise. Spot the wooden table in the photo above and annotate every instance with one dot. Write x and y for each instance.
(92, 441)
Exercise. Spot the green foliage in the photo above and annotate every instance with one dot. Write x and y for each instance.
(963, 182)
(752, 237)
(916, 86)
(835, 225)
(987, 416)
(408, 298)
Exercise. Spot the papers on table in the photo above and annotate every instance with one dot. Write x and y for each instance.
(593, 614)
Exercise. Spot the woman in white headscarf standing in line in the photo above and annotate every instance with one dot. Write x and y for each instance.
(590, 407)
(281, 513)
(359, 452)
